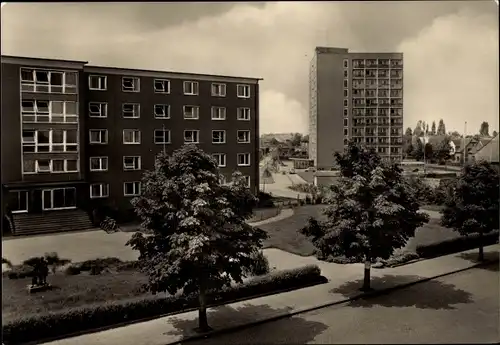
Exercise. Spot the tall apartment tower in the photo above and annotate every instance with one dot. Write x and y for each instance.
(355, 96)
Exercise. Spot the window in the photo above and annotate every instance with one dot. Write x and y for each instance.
(131, 110)
(346, 63)
(98, 109)
(131, 136)
(162, 136)
(346, 102)
(131, 163)
(346, 131)
(243, 91)
(218, 113)
(43, 165)
(162, 111)
(64, 165)
(190, 87)
(346, 122)
(162, 86)
(191, 112)
(218, 90)
(243, 136)
(131, 188)
(53, 140)
(98, 163)
(220, 158)
(243, 159)
(243, 114)
(71, 165)
(345, 83)
(191, 136)
(49, 111)
(98, 82)
(130, 84)
(346, 74)
(346, 112)
(218, 137)
(346, 93)
(48, 81)
(99, 190)
(98, 136)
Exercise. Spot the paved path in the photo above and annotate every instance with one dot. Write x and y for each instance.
(343, 284)
(458, 308)
(285, 213)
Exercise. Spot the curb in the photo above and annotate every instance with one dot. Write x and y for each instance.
(321, 306)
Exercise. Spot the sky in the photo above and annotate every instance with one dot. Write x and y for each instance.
(450, 48)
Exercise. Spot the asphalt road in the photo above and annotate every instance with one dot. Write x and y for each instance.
(460, 308)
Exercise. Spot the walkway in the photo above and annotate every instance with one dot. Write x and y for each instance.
(343, 286)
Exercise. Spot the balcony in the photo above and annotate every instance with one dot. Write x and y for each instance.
(358, 63)
(371, 73)
(371, 63)
(383, 63)
(396, 63)
(396, 73)
(396, 85)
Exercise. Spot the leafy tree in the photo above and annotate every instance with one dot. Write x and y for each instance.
(455, 134)
(443, 150)
(409, 150)
(474, 205)
(296, 139)
(418, 129)
(426, 129)
(200, 240)
(408, 132)
(495, 133)
(433, 128)
(441, 128)
(428, 151)
(305, 138)
(484, 131)
(418, 150)
(371, 211)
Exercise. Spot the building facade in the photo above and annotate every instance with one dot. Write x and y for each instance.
(76, 136)
(356, 96)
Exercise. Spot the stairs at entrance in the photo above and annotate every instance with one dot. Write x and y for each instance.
(51, 221)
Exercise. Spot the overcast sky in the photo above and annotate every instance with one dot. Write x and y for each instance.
(450, 48)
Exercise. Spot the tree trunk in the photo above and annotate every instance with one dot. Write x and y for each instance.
(481, 249)
(202, 311)
(366, 280)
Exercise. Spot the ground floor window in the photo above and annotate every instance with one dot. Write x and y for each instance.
(59, 198)
(19, 203)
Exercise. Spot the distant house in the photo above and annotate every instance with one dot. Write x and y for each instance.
(325, 178)
(466, 153)
(487, 151)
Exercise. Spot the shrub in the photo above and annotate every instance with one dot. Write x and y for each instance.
(260, 266)
(342, 260)
(456, 245)
(32, 261)
(101, 262)
(56, 324)
(397, 259)
(128, 266)
(20, 272)
(72, 270)
(7, 262)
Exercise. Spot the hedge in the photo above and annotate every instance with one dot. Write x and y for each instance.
(456, 245)
(77, 320)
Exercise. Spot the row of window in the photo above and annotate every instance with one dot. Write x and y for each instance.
(34, 166)
(163, 136)
(49, 111)
(375, 73)
(191, 88)
(374, 63)
(50, 140)
(131, 163)
(49, 81)
(374, 112)
(381, 93)
(162, 111)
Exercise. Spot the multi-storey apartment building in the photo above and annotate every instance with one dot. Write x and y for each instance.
(356, 96)
(77, 137)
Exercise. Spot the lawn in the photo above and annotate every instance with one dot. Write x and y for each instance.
(69, 291)
(284, 234)
(264, 213)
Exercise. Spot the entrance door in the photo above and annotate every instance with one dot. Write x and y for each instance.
(59, 199)
(19, 201)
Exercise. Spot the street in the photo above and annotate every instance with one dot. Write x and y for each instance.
(460, 308)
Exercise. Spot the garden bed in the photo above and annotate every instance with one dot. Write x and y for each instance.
(98, 302)
(264, 213)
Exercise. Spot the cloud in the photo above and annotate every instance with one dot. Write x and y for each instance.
(451, 61)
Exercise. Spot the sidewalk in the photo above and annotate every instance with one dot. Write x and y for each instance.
(342, 287)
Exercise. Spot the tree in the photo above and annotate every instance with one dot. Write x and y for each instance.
(418, 129)
(305, 138)
(274, 142)
(371, 211)
(474, 205)
(418, 150)
(441, 128)
(484, 131)
(426, 129)
(428, 151)
(200, 240)
(455, 134)
(296, 139)
(495, 133)
(433, 128)
(409, 150)
(408, 132)
(443, 150)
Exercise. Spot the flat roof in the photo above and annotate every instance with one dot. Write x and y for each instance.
(12, 57)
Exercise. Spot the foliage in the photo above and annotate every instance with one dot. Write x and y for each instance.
(7, 262)
(418, 150)
(433, 128)
(259, 266)
(473, 206)
(409, 150)
(72, 270)
(443, 150)
(397, 259)
(421, 191)
(457, 244)
(428, 151)
(55, 324)
(441, 130)
(200, 239)
(265, 200)
(20, 272)
(371, 210)
(495, 133)
(409, 132)
(443, 191)
(484, 130)
(296, 139)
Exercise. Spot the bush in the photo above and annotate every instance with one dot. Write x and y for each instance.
(102, 263)
(7, 262)
(57, 324)
(20, 272)
(397, 259)
(456, 245)
(342, 260)
(260, 266)
(72, 270)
